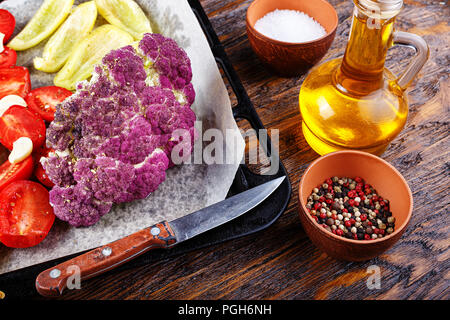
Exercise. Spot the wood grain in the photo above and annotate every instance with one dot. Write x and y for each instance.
(267, 266)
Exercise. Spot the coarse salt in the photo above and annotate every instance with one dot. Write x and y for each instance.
(290, 26)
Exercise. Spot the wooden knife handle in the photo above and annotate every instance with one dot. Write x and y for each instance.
(53, 281)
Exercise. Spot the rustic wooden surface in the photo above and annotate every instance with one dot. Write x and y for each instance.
(280, 262)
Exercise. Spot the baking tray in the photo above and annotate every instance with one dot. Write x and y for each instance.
(19, 284)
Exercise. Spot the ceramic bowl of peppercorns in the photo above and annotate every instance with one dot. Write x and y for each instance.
(354, 205)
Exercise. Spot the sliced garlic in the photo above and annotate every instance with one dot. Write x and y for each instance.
(9, 101)
(2, 48)
(22, 148)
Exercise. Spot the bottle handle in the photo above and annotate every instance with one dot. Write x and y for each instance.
(422, 53)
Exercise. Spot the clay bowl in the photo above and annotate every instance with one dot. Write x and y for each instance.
(375, 171)
(291, 59)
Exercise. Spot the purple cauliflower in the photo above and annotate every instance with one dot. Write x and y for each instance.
(114, 136)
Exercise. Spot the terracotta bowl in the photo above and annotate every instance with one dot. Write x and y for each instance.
(388, 182)
(291, 59)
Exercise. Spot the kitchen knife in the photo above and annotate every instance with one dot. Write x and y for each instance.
(53, 281)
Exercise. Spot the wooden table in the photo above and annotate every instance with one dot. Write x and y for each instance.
(280, 262)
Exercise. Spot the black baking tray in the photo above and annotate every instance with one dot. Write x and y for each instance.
(19, 284)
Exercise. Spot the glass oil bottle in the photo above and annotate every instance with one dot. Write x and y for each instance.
(355, 102)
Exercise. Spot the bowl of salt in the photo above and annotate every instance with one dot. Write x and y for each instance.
(290, 36)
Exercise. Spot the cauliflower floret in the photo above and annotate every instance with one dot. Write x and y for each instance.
(59, 169)
(77, 205)
(148, 176)
(169, 64)
(113, 137)
(101, 176)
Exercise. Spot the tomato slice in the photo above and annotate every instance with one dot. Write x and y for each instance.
(14, 80)
(44, 100)
(26, 215)
(7, 24)
(10, 172)
(42, 176)
(8, 58)
(18, 122)
(39, 171)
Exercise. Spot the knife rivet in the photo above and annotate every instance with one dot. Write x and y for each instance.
(155, 231)
(106, 251)
(55, 273)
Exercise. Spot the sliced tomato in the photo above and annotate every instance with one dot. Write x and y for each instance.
(39, 171)
(10, 172)
(44, 100)
(7, 24)
(18, 122)
(8, 58)
(14, 80)
(42, 176)
(26, 215)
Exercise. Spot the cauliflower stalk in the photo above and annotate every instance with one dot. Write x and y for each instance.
(113, 137)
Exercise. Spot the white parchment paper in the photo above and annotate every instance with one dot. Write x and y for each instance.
(188, 187)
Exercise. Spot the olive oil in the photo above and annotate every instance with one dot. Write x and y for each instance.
(354, 102)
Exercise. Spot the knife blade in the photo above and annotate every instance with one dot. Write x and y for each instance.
(210, 217)
(53, 281)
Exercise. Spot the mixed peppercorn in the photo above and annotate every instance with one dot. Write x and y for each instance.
(351, 208)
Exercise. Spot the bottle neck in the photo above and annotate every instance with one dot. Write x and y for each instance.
(370, 37)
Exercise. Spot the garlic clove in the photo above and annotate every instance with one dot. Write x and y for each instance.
(9, 101)
(22, 148)
(2, 48)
